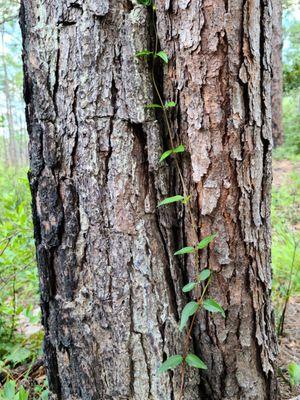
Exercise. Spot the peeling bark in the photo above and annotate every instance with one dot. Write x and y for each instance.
(110, 287)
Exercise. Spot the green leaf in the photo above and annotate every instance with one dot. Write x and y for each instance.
(163, 56)
(9, 390)
(179, 149)
(170, 363)
(165, 155)
(143, 53)
(205, 242)
(186, 199)
(190, 286)
(193, 361)
(145, 2)
(214, 307)
(45, 395)
(153, 106)
(18, 355)
(204, 275)
(188, 310)
(22, 394)
(294, 371)
(185, 250)
(172, 199)
(170, 104)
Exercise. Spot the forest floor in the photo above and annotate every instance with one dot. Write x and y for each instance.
(289, 348)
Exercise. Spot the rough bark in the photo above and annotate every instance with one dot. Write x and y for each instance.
(277, 84)
(110, 286)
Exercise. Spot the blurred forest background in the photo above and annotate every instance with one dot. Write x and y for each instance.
(21, 372)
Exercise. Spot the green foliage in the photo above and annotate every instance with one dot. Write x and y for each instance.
(188, 310)
(285, 244)
(205, 274)
(291, 123)
(294, 372)
(163, 56)
(185, 250)
(178, 149)
(193, 306)
(285, 235)
(214, 307)
(153, 106)
(186, 199)
(170, 104)
(144, 53)
(145, 2)
(205, 242)
(173, 199)
(18, 355)
(10, 392)
(291, 76)
(19, 297)
(194, 361)
(190, 286)
(291, 51)
(171, 363)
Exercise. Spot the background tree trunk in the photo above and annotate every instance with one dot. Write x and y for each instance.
(11, 141)
(277, 84)
(110, 286)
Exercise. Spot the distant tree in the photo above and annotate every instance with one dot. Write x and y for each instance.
(14, 147)
(277, 83)
(291, 69)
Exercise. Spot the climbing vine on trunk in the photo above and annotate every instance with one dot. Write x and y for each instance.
(203, 277)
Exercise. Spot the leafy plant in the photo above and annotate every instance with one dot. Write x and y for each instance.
(294, 372)
(10, 392)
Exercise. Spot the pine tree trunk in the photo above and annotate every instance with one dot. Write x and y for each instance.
(277, 89)
(110, 286)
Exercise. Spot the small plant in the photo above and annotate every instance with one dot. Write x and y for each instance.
(10, 392)
(202, 279)
(294, 373)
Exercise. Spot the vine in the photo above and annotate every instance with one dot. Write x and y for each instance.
(200, 277)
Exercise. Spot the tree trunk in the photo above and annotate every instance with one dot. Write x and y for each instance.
(110, 286)
(277, 89)
(12, 156)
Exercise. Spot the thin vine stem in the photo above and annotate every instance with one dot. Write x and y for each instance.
(188, 336)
